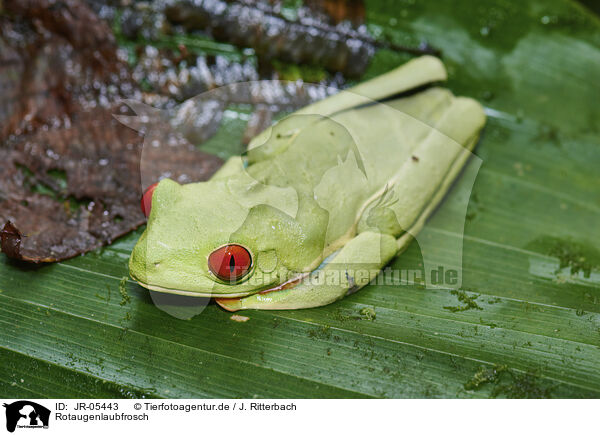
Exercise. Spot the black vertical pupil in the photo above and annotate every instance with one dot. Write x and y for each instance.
(232, 264)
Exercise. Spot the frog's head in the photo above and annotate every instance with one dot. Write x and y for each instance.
(227, 237)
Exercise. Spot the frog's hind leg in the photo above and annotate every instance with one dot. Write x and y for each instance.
(425, 178)
(354, 266)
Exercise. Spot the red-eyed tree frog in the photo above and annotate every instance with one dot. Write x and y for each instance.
(319, 203)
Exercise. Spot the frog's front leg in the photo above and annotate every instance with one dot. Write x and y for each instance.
(354, 266)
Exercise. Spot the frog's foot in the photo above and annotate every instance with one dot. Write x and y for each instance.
(355, 265)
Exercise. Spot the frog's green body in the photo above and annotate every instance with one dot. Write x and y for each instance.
(340, 186)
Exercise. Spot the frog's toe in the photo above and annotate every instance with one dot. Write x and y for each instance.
(230, 304)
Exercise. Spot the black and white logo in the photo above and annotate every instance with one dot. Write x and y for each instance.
(26, 415)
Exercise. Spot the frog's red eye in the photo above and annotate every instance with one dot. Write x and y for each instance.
(230, 262)
(147, 199)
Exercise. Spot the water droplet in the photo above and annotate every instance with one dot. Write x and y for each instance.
(547, 19)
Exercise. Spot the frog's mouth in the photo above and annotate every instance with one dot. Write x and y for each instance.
(231, 303)
(222, 299)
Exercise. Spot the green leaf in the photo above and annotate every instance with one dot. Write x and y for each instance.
(525, 324)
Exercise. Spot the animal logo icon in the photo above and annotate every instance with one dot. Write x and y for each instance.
(26, 414)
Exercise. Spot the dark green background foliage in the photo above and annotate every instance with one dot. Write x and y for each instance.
(526, 324)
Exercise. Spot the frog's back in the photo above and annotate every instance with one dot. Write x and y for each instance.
(348, 158)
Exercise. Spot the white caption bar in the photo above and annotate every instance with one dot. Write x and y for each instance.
(262, 417)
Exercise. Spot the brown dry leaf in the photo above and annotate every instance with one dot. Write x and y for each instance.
(71, 178)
